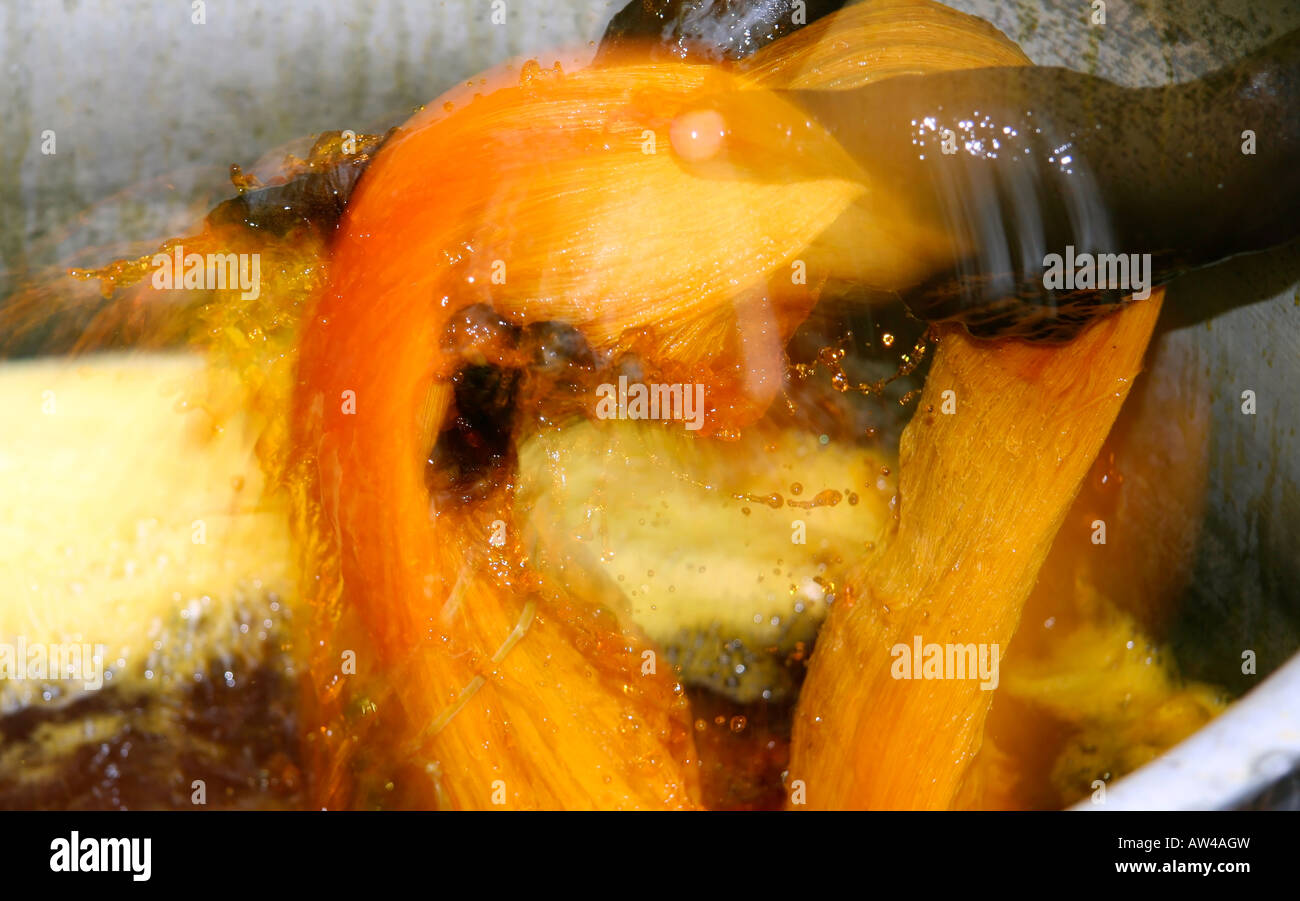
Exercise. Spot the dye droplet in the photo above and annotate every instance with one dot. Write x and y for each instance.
(529, 72)
(697, 135)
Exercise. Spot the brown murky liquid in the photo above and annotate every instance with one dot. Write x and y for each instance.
(118, 751)
(744, 750)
